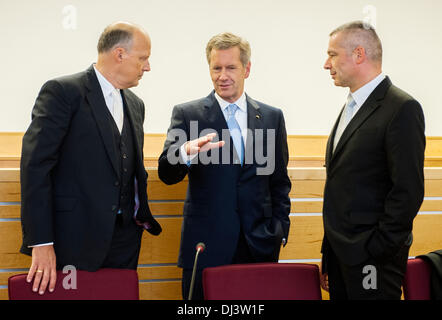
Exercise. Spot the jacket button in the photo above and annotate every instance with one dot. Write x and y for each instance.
(117, 183)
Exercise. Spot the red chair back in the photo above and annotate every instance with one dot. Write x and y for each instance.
(104, 284)
(262, 281)
(417, 284)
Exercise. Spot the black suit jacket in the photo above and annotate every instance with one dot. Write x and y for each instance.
(375, 180)
(225, 198)
(69, 173)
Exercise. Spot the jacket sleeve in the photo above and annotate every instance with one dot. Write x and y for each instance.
(280, 184)
(171, 168)
(40, 152)
(405, 147)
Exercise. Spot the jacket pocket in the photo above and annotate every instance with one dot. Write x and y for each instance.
(364, 217)
(64, 204)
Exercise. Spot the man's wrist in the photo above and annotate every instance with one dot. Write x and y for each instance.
(41, 245)
(187, 159)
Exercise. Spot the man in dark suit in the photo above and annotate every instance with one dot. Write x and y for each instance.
(237, 200)
(83, 180)
(375, 180)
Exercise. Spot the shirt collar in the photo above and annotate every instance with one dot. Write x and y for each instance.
(362, 94)
(105, 85)
(241, 102)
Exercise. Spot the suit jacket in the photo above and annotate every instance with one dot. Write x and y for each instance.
(69, 173)
(224, 199)
(375, 180)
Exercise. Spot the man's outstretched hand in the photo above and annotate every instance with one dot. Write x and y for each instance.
(202, 144)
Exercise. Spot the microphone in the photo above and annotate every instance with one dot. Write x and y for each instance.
(200, 247)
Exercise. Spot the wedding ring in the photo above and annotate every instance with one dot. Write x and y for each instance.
(39, 270)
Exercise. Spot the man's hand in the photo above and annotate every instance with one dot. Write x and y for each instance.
(43, 269)
(202, 144)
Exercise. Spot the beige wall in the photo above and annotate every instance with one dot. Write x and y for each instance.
(288, 38)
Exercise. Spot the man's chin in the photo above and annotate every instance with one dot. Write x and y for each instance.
(228, 96)
(338, 83)
(134, 84)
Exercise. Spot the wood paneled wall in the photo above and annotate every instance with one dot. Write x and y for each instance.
(305, 150)
(158, 273)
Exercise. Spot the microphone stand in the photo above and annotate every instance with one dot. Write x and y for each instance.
(199, 248)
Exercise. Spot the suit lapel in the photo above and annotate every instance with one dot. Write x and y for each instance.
(217, 121)
(99, 110)
(370, 105)
(254, 122)
(331, 139)
(213, 114)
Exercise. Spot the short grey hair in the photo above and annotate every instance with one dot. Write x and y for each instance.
(362, 34)
(228, 40)
(115, 36)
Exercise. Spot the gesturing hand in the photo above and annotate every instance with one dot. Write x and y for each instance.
(202, 144)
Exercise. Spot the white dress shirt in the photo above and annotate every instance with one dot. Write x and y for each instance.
(362, 94)
(359, 96)
(107, 88)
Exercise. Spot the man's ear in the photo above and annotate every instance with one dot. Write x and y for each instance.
(118, 54)
(359, 55)
(247, 70)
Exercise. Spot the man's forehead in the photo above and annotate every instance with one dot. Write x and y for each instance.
(229, 52)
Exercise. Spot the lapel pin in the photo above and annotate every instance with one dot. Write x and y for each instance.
(257, 116)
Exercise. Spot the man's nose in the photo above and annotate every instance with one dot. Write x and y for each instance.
(327, 64)
(146, 67)
(223, 75)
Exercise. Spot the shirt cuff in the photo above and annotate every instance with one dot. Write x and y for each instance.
(41, 245)
(187, 159)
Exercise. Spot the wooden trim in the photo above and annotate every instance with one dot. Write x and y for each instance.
(160, 272)
(168, 290)
(176, 208)
(305, 238)
(305, 150)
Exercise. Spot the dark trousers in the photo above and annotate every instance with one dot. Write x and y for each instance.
(242, 255)
(370, 280)
(125, 247)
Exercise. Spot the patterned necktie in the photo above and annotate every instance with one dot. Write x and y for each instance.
(117, 111)
(235, 131)
(346, 117)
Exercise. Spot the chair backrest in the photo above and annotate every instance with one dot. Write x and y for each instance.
(104, 284)
(417, 285)
(262, 281)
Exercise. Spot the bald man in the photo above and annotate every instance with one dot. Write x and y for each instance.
(83, 181)
(375, 180)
